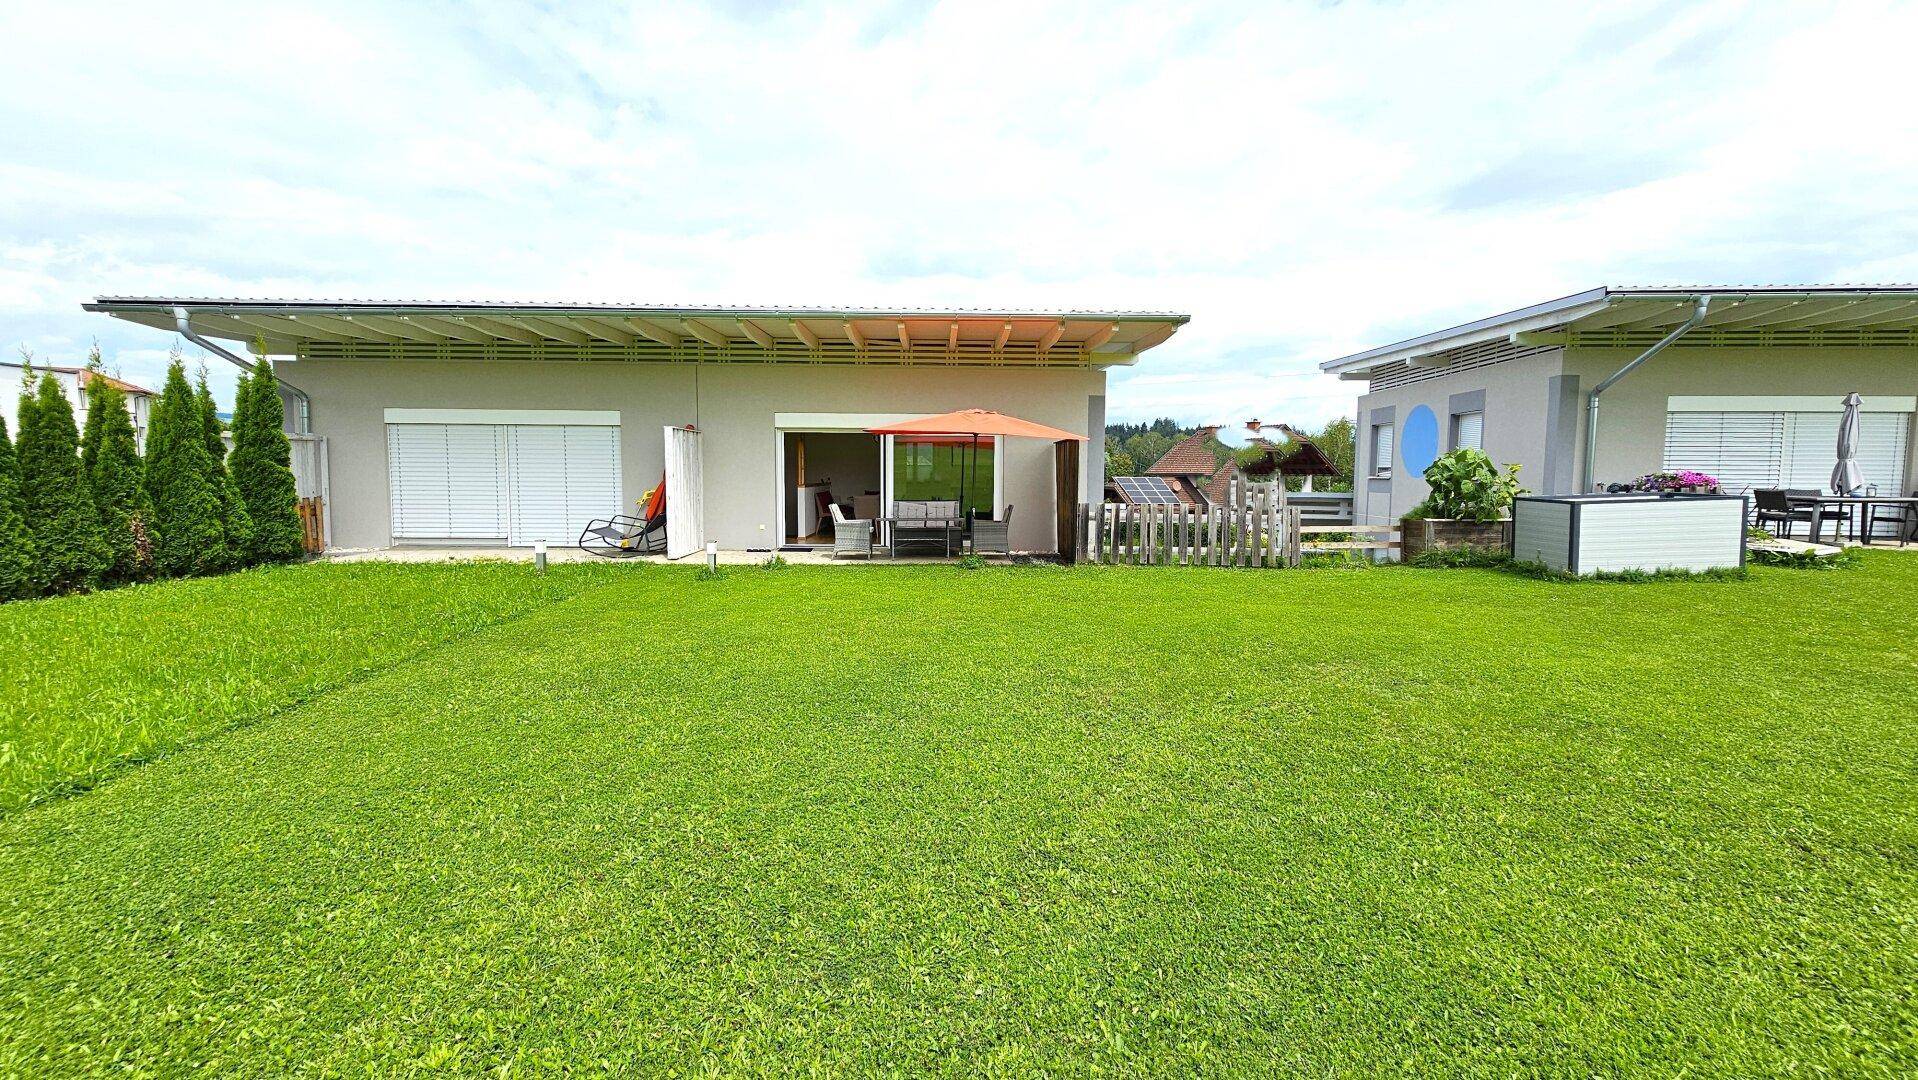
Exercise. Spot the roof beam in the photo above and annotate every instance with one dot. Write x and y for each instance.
(1005, 335)
(759, 337)
(451, 328)
(321, 326)
(1747, 313)
(952, 337)
(805, 334)
(1856, 311)
(1101, 336)
(1628, 311)
(224, 325)
(554, 329)
(1051, 337)
(854, 335)
(401, 328)
(500, 328)
(606, 331)
(653, 332)
(706, 333)
(905, 339)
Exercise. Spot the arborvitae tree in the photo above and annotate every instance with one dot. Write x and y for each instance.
(181, 484)
(110, 460)
(16, 540)
(260, 464)
(234, 523)
(53, 492)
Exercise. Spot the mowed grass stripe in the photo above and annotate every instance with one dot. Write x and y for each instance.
(99, 682)
(1027, 820)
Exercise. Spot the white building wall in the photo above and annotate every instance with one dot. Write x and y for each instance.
(732, 404)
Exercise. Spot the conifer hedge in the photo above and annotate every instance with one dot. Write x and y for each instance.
(16, 540)
(261, 465)
(110, 461)
(181, 483)
(72, 552)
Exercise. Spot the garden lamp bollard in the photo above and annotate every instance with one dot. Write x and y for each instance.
(539, 556)
(712, 555)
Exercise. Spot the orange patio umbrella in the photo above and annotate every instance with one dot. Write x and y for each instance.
(975, 423)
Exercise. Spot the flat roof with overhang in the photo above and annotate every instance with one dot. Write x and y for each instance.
(1626, 317)
(459, 330)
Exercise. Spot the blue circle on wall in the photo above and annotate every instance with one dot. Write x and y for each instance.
(1418, 443)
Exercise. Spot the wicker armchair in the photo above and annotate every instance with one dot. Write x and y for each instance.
(850, 536)
(993, 537)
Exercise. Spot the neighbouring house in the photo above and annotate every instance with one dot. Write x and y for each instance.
(1189, 473)
(508, 424)
(1603, 386)
(72, 381)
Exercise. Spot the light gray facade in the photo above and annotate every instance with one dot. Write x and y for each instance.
(1531, 373)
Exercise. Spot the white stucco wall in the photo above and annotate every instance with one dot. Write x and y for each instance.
(732, 404)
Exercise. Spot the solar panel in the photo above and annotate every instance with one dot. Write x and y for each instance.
(1147, 489)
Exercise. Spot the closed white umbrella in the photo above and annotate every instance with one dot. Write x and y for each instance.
(1846, 478)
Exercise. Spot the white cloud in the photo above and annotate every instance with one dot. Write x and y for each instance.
(1305, 181)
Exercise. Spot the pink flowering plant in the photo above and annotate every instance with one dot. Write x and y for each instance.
(1682, 480)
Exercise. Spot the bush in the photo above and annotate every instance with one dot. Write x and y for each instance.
(71, 552)
(1467, 486)
(260, 466)
(16, 540)
(972, 562)
(180, 483)
(111, 463)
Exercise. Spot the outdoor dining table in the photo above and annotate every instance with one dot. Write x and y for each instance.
(1864, 503)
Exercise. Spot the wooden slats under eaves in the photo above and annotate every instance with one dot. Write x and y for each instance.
(963, 354)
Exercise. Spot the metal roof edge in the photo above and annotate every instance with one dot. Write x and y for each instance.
(1466, 333)
(1567, 308)
(122, 303)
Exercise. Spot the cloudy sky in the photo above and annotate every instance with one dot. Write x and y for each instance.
(1304, 179)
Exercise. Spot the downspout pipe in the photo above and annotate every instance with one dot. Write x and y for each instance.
(305, 419)
(1700, 307)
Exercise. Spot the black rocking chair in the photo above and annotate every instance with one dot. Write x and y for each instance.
(622, 536)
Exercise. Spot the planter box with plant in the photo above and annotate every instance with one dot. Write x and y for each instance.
(1469, 505)
(1682, 482)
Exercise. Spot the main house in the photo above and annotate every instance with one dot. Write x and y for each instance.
(509, 424)
(1600, 387)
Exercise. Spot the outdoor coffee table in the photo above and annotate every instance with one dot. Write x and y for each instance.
(926, 530)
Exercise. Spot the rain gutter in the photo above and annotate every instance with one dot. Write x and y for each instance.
(182, 321)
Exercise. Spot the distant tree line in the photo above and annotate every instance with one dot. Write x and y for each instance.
(84, 510)
(1131, 449)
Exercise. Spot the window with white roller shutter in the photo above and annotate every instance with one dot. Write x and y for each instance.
(1747, 450)
(1468, 431)
(516, 483)
(448, 481)
(561, 478)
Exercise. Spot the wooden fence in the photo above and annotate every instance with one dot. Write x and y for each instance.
(313, 524)
(1265, 532)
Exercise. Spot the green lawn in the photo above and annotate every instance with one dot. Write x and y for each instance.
(96, 682)
(1027, 820)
